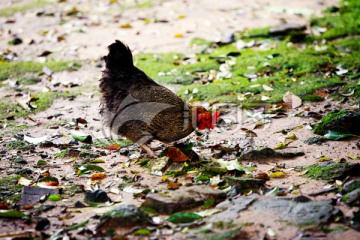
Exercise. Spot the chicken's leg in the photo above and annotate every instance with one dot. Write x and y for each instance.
(148, 150)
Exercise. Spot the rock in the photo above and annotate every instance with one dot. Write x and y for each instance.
(245, 183)
(315, 140)
(344, 119)
(124, 216)
(297, 210)
(350, 186)
(286, 28)
(352, 197)
(97, 196)
(232, 209)
(182, 199)
(266, 153)
(332, 170)
(257, 154)
(42, 224)
(32, 195)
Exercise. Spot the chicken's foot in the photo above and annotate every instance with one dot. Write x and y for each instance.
(148, 150)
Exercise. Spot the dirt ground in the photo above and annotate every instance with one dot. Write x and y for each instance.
(86, 39)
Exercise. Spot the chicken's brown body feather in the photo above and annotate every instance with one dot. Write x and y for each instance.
(138, 108)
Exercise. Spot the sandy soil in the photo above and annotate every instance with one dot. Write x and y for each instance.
(86, 39)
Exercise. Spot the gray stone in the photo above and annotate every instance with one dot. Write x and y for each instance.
(124, 216)
(286, 28)
(350, 186)
(233, 208)
(174, 201)
(352, 196)
(298, 210)
(267, 153)
(245, 183)
(31, 195)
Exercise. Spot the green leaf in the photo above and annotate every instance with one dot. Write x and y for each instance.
(276, 190)
(76, 226)
(183, 217)
(82, 137)
(41, 162)
(142, 231)
(88, 168)
(55, 197)
(338, 133)
(208, 203)
(12, 214)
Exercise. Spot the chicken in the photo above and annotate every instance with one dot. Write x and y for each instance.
(135, 106)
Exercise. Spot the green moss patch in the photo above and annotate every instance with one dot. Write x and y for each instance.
(12, 189)
(344, 119)
(18, 69)
(341, 23)
(331, 171)
(269, 60)
(6, 12)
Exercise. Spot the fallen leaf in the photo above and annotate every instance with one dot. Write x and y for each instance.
(267, 88)
(113, 147)
(54, 197)
(11, 214)
(248, 132)
(35, 140)
(82, 137)
(98, 176)
(176, 155)
(338, 133)
(183, 217)
(277, 175)
(24, 181)
(292, 100)
(173, 185)
(231, 165)
(178, 35)
(126, 25)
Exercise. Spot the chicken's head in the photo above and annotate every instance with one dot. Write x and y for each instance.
(206, 119)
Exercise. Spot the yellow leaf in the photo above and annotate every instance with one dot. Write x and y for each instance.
(291, 136)
(324, 159)
(178, 35)
(353, 157)
(277, 175)
(281, 145)
(126, 25)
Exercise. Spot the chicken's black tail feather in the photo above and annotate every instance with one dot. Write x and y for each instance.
(119, 58)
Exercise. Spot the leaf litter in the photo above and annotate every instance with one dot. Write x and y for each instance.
(189, 164)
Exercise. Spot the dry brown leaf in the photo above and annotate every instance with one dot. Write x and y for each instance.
(113, 147)
(176, 155)
(173, 185)
(98, 176)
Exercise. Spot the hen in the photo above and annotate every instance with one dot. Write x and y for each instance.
(135, 106)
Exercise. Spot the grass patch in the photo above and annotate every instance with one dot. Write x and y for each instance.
(18, 69)
(10, 111)
(300, 68)
(9, 185)
(341, 23)
(6, 12)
